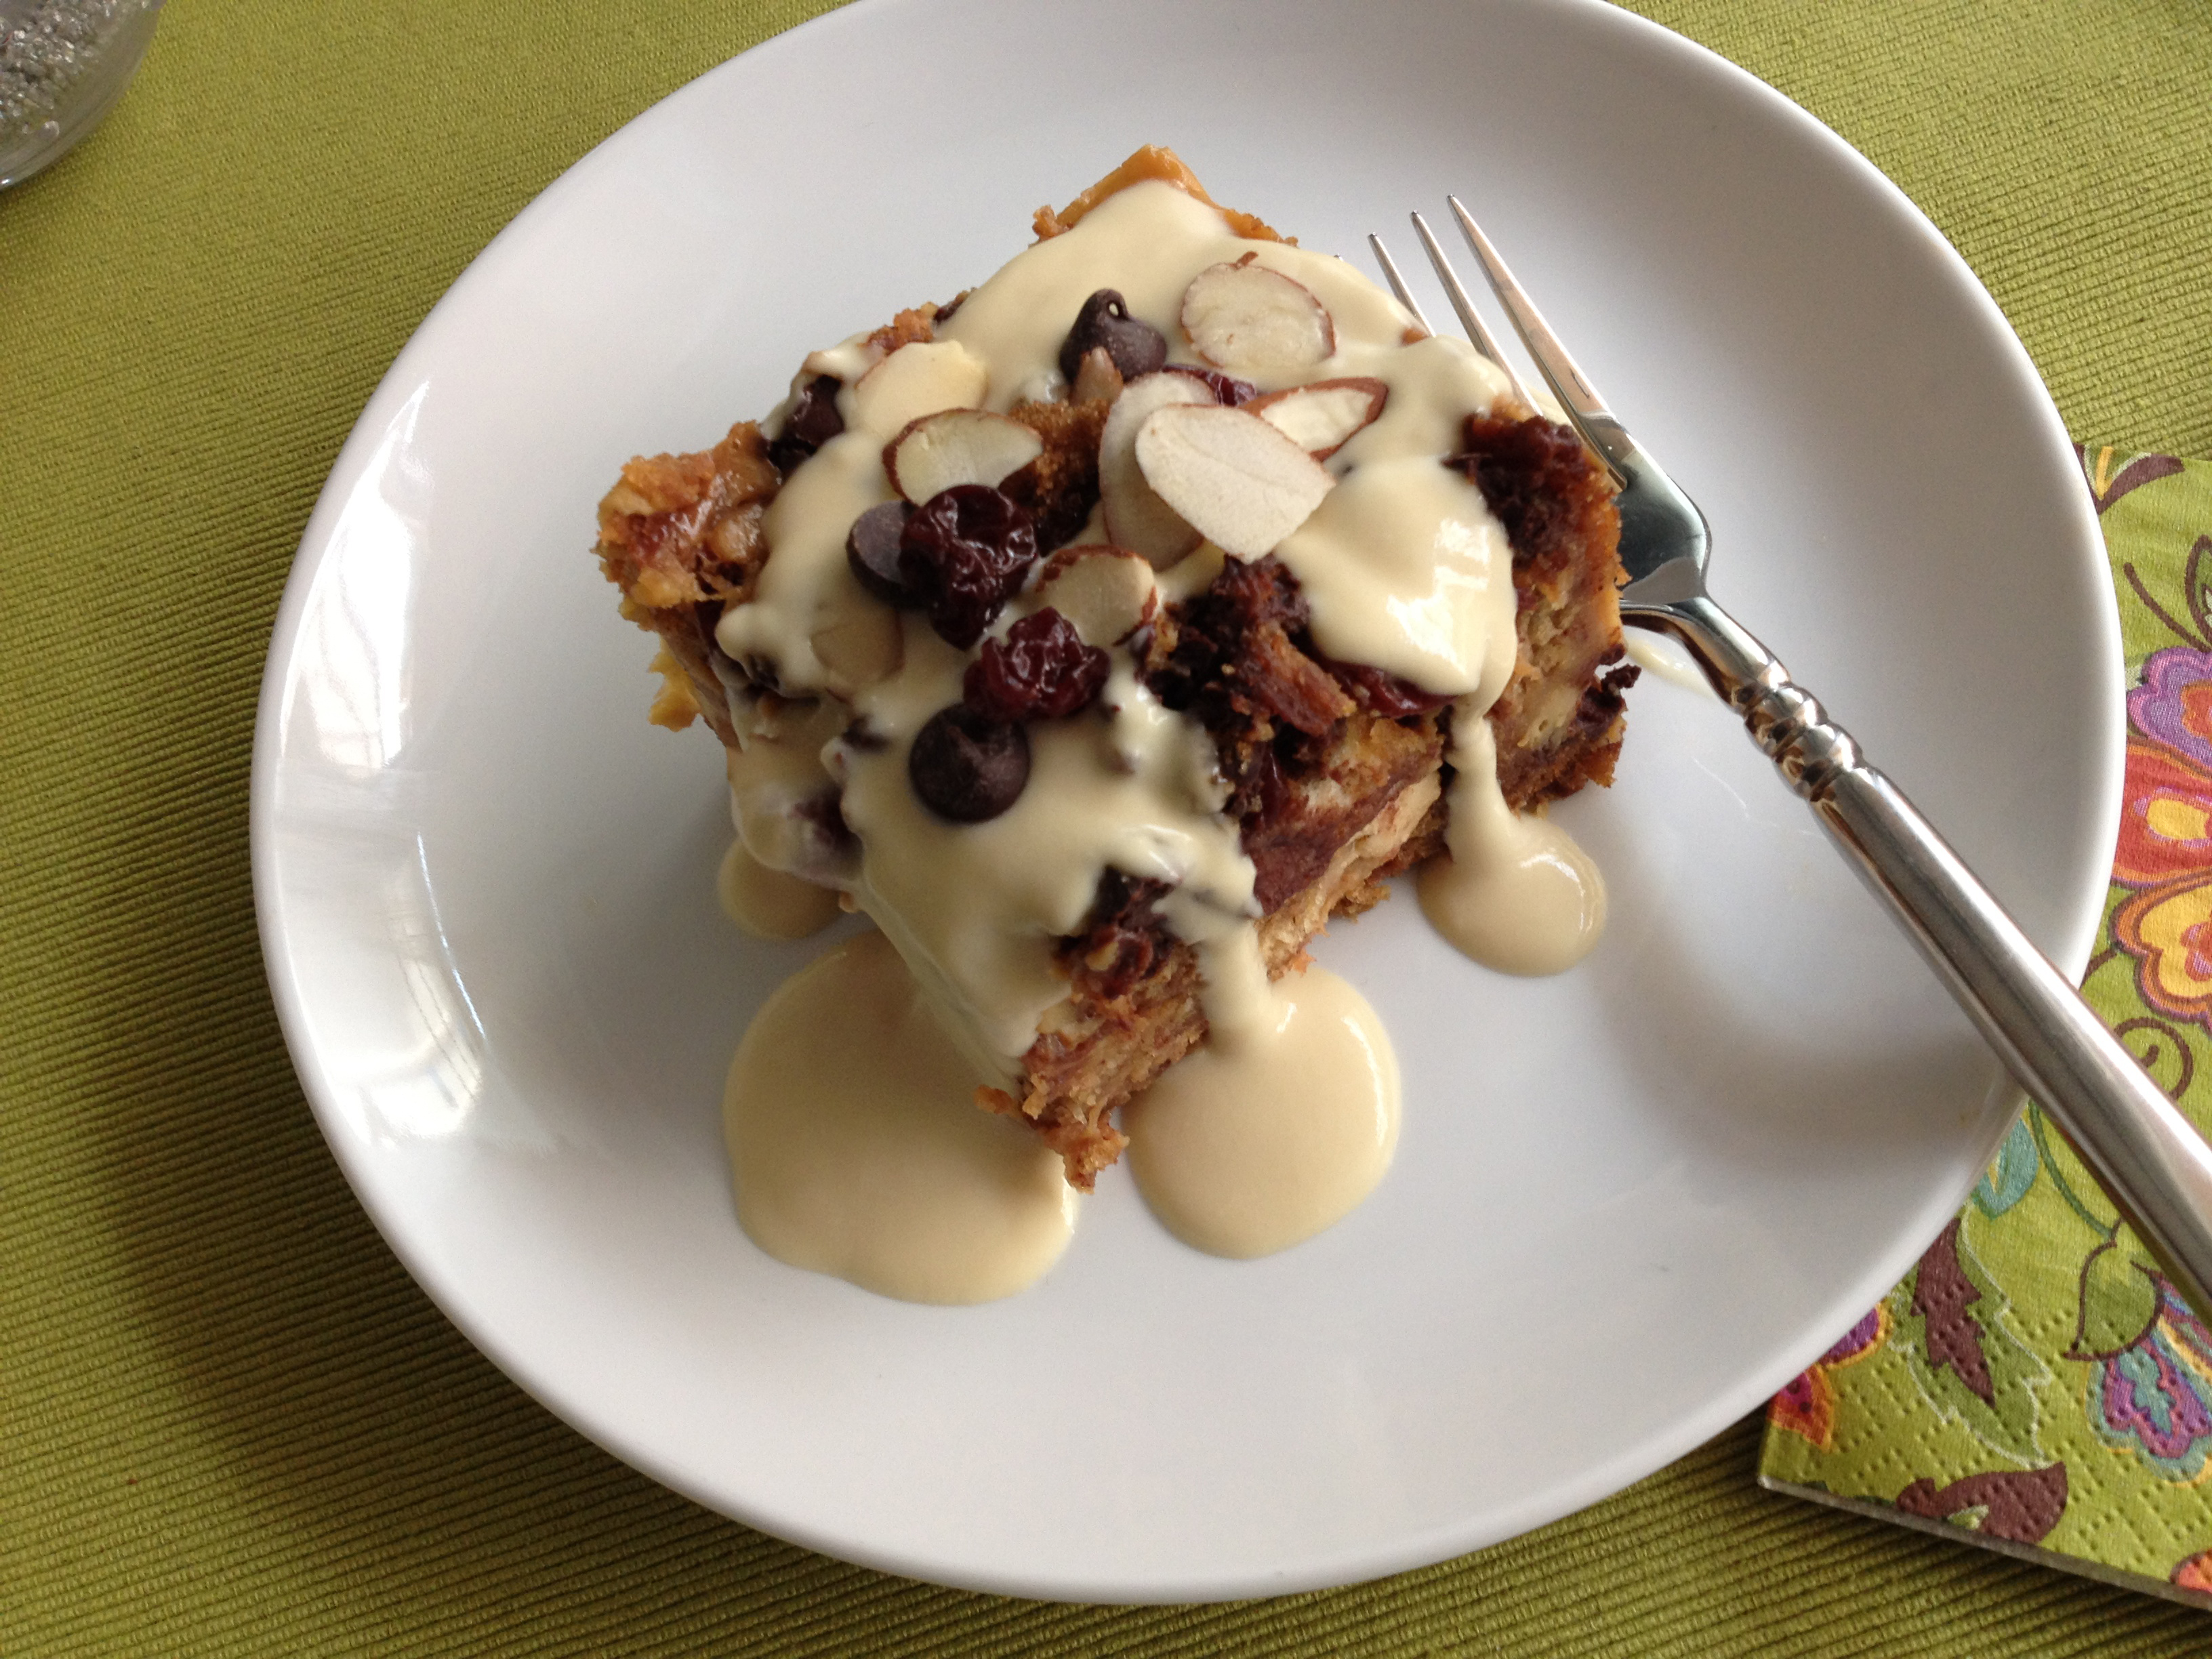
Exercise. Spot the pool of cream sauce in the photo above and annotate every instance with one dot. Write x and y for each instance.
(856, 1149)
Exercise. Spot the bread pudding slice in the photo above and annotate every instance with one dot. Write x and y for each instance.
(1105, 628)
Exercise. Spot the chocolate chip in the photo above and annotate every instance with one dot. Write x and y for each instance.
(872, 548)
(968, 767)
(1136, 346)
(813, 421)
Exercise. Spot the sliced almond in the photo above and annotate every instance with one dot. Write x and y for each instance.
(919, 379)
(1108, 592)
(1237, 480)
(958, 446)
(847, 361)
(1219, 388)
(1136, 518)
(1255, 322)
(1321, 418)
(863, 647)
(1097, 377)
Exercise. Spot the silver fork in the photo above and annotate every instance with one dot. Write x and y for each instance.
(2157, 1168)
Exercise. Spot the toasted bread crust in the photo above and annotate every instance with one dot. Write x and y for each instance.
(1153, 161)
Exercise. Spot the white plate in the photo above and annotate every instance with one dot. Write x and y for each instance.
(1628, 1202)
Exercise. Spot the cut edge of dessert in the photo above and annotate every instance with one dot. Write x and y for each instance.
(1125, 469)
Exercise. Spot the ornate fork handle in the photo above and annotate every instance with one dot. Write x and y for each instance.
(2156, 1167)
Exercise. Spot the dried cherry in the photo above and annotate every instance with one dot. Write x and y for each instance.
(963, 555)
(1041, 671)
(1136, 346)
(968, 767)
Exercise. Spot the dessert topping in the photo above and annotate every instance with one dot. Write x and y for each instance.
(1244, 1150)
(958, 446)
(1225, 388)
(771, 904)
(1136, 518)
(968, 767)
(855, 1149)
(1097, 379)
(1107, 592)
(1406, 571)
(1517, 894)
(1135, 346)
(1321, 418)
(963, 555)
(860, 648)
(919, 378)
(1249, 319)
(872, 548)
(1236, 480)
(812, 423)
(1041, 671)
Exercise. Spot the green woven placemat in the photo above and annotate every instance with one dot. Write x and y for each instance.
(228, 1422)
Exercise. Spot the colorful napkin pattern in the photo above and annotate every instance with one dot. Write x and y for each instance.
(2035, 1383)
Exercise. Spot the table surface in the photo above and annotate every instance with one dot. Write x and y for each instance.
(230, 1422)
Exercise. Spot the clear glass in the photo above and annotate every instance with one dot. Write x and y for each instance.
(62, 65)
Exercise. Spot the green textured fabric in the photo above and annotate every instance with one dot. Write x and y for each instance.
(2036, 1380)
(228, 1422)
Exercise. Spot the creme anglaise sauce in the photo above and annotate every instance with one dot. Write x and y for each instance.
(857, 1149)
(1287, 1117)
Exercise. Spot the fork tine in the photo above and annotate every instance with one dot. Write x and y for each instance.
(1398, 283)
(1600, 429)
(1469, 318)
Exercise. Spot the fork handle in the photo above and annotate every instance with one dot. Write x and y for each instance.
(2153, 1163)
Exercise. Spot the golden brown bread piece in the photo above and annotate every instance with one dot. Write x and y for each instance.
(1558, 719)
(680, 536)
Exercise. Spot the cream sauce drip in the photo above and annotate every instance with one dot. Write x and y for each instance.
(1258, 1141)
(767, 903)
(1666, 658)
(775, 774)
(975, 908)
(1517, 894)
(1406, 569)
(856, 1147)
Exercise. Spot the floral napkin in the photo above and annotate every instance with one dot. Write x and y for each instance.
(2035, 1384)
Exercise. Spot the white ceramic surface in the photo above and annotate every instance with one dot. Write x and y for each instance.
(1628, 1203)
